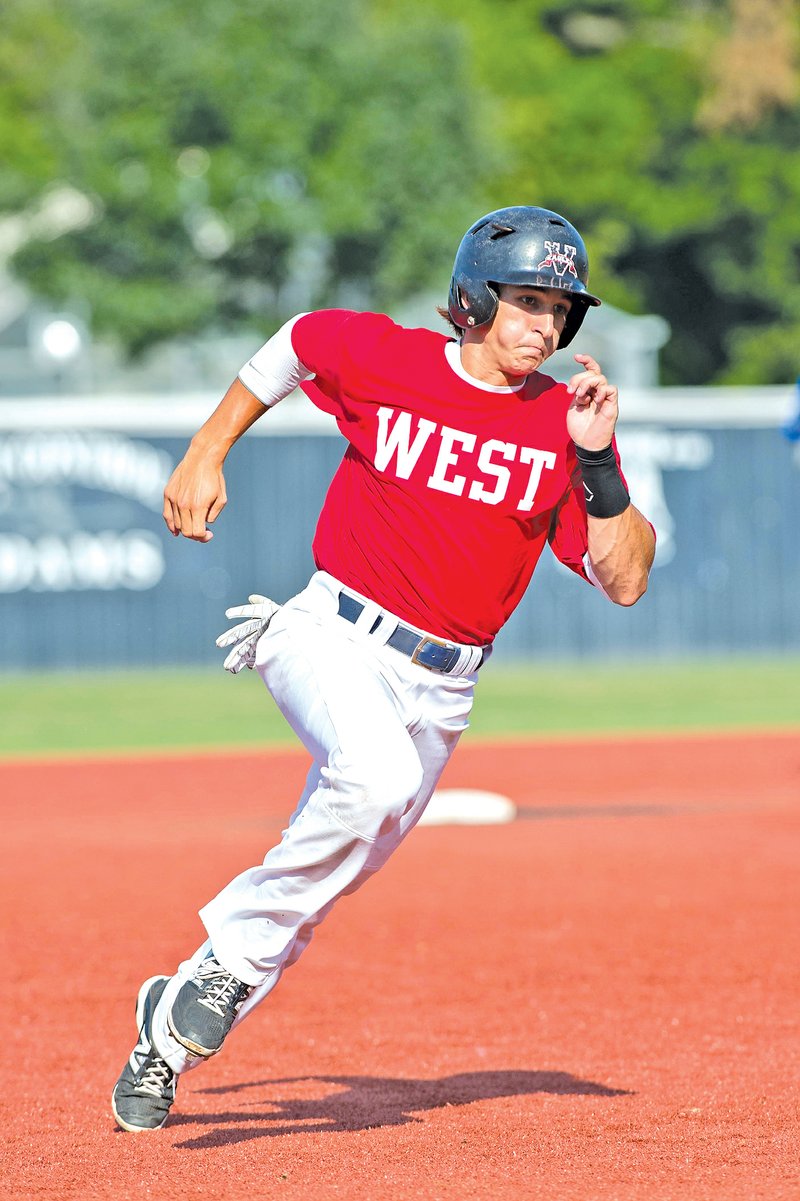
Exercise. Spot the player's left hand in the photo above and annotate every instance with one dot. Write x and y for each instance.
(259, 614)
(592, 416)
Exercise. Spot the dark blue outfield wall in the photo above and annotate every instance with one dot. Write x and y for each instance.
(89, 576)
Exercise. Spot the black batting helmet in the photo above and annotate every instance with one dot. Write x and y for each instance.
(520, 245)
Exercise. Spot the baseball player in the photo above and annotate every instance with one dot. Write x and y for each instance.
(463, 461)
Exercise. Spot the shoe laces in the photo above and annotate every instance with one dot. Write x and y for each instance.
(156, 1078)
(220, 991)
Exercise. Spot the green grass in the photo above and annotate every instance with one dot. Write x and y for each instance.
(139, 711)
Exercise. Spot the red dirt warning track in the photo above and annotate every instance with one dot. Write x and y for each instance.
(599, 1000)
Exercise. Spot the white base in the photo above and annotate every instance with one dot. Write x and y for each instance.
(468, 807)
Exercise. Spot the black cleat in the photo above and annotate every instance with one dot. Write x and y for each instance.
(144, 1093)
(204, 1009)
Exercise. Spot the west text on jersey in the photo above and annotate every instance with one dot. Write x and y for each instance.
(397, 441)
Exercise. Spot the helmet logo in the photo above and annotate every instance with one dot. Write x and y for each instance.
(562, 260)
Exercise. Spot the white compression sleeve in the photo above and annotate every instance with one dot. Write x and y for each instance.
(275, 370)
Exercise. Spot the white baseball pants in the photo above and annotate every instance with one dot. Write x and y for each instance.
(380, 729)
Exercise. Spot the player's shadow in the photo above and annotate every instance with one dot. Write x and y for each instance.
(366, 1102)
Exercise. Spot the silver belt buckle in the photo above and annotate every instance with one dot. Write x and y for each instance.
(423, 642)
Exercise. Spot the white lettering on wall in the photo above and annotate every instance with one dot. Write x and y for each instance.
(647, 453)
(43, 509)
(132, 559)
(109, 462)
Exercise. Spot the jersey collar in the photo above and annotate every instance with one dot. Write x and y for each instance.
(452, 352)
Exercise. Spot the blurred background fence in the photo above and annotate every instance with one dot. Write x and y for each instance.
(90, 577)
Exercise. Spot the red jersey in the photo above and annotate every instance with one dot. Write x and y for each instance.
(447, 492)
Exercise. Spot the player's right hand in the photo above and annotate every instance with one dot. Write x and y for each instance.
(244, 637)
(194, 498)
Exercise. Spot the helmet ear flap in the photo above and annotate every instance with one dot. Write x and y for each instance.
(472, 302)
(573, 322)
(494, 293)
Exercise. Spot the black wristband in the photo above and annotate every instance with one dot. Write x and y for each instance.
(606, 494)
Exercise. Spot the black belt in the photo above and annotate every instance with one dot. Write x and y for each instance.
(432, 653)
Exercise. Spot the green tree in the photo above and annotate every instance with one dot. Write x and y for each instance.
(178, 165)
(233, 159)
(669, 133)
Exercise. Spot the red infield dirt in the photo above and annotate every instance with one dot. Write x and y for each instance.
(599, 1000)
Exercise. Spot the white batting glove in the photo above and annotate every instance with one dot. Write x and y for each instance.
(259, 614)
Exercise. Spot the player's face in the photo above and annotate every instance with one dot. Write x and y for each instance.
(524, 332)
